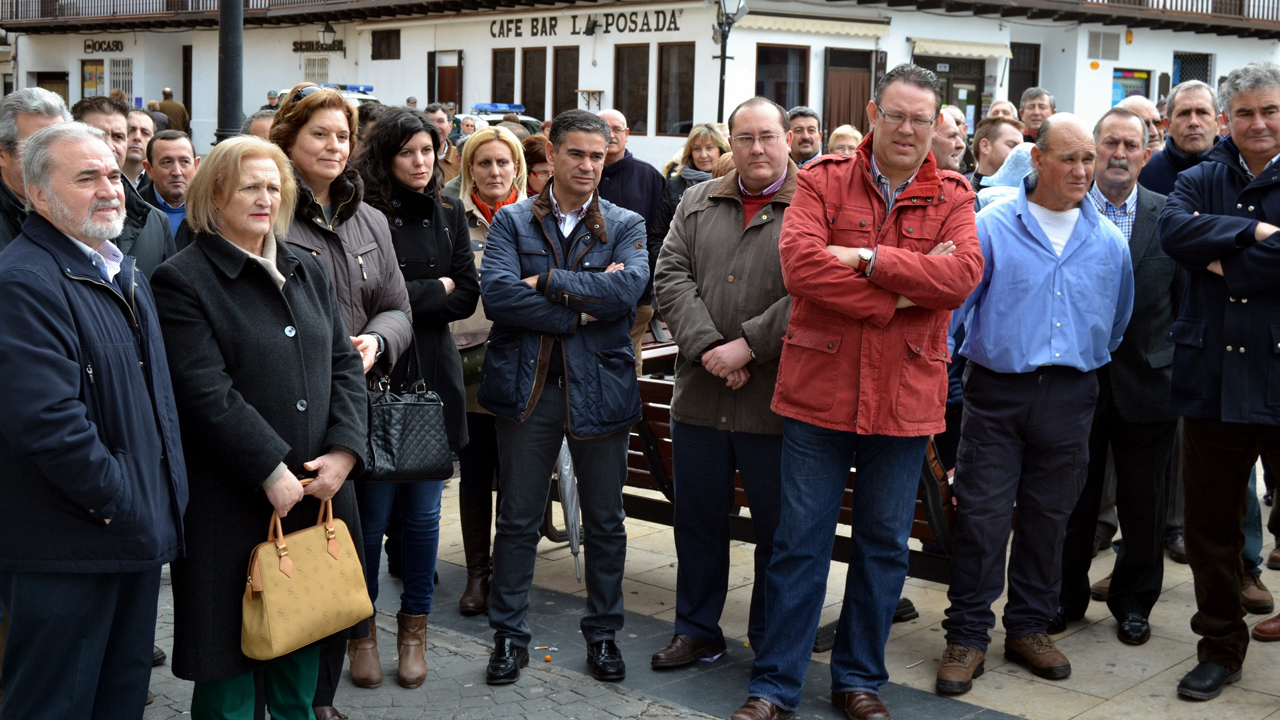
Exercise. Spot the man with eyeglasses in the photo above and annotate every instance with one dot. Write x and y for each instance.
(1052, 306)
(877, 248)
(634, 184)
(1150, 115)
(719, 286)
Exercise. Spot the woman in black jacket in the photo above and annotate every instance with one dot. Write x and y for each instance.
(701, 151)
(433, 246)
(269, 388)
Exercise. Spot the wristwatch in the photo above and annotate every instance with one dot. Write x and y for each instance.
(864, 256)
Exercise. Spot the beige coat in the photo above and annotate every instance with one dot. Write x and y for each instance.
(716, 282)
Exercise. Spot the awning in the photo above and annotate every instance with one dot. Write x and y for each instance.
(956, 48)
(831, 26)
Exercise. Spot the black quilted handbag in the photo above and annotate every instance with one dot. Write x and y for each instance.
(407, 437)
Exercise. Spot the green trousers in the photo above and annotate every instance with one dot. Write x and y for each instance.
(291, 684)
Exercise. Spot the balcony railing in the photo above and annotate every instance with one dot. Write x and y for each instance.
(1265, 10)
(87, 9)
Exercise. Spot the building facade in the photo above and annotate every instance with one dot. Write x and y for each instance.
(658, 63)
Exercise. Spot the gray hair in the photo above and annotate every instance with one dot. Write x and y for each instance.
(577, 121)
(1254, 76)
(1032, 93)
(1191, 85)
(1117, 111)
(38, 158)
(247, 125)
(27, 101)
(911, 75)
(803, 111)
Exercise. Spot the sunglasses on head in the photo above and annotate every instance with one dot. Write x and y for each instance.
(305, 91)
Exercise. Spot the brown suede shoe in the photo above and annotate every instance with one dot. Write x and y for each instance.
(960, 665)
(1273, 560)
(684, 650)
(1255, 597)
(756, 709)
(411, 644)
(366, 666)
(1099, 590)
(860, 706)
(328, 713)
(1268, 630)
(1039, 654)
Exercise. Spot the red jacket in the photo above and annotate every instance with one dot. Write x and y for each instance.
(850, 361)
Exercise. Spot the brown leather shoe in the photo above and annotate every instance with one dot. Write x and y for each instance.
(860, 706)
(1177, 547)
(411, 644)
(1039, 654)
(756, 709)
(328, 713)
(1268, 630)
(1273, 560)
(1255, 597)
(684, 650)
(366, 666)
(1099, 590)
(475, 596)
(960, 665)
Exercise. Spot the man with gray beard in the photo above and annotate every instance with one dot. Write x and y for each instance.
(95, 484)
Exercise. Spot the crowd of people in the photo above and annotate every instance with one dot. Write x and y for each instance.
(1062, 308)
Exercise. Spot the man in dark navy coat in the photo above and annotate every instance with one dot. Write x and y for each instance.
(1220, 224)
(94, 484)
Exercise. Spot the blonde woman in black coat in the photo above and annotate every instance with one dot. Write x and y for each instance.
(397, 164)
(269, 388)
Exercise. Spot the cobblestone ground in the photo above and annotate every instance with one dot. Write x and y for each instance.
(455, 686)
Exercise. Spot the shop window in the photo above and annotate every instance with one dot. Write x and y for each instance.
(566, 80)
(121, 75)
(503, 87)
(533, 82)
(675, 88)
(631, 85)
(1129, 82)
(315, 70)
(93, 78)
(386, 44)
(782, 74)
(1191, 66)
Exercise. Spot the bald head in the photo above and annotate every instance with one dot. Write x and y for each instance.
(1150, 115)
(1063, 159)
(620, 133)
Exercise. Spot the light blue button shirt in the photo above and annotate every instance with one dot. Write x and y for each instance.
(107, 259)
(1034, 307)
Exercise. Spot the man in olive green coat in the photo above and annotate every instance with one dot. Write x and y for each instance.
(719, 286)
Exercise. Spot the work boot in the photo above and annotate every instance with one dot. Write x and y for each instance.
(366, 666)
(411, 644)
(960, 665)
(1254, 596)
(475, 547)
(1039, 654)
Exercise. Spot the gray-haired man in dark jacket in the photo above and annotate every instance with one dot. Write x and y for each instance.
(22, 113)
(561, 275)
(95, 484)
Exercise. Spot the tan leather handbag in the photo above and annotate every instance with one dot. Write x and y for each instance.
(302, 587)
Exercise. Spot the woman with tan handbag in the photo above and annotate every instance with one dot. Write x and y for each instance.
(493, 176)
(269, 389)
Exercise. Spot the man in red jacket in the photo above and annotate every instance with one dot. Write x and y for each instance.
(877, 248)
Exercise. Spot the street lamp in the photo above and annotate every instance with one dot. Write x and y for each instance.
(728, 12)
(327, 34)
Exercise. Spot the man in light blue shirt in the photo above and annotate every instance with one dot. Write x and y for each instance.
(1054, 300)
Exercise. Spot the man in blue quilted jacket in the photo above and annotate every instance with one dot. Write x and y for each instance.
(561, 276)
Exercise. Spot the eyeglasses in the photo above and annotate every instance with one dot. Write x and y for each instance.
(540, 174)
(746, 142)
(305, 91)
(894, 119)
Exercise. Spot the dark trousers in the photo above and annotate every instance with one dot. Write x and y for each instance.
(705, 460)
(527, 453)
(1217, 458)
(1025, 439)
(1141, 455)
(477, 468)
(80, 644)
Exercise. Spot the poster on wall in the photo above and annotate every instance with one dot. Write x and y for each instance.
(93, 80)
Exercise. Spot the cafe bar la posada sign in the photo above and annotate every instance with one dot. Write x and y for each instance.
(635, 21)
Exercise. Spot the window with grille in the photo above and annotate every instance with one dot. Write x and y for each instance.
(565, 93)
(533, 80)
(675, 87)
(1191, 66)
(121, 75)
(386, 44)
(315, 70)
(631, 85)
(1104, 45)
(503, 87)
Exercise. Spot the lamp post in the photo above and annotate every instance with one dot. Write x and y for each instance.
(728, 12)
(230, 69)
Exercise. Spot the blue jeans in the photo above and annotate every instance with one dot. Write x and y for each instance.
(815, 471)
(1252, 529)
(419, 537)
